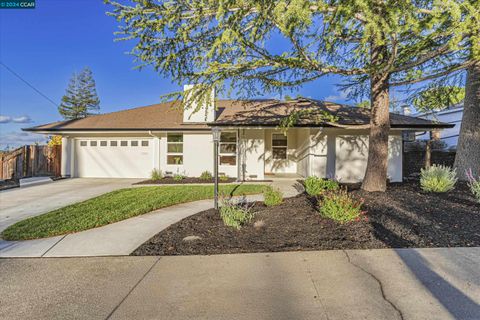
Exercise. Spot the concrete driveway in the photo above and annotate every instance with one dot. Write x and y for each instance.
(20, 203)
(332, 285)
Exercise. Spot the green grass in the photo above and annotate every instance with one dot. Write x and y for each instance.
(115, 206)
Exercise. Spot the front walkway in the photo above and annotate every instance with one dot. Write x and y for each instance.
(119, 238)
(351, 284)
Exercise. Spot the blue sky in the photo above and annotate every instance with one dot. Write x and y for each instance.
(47, 44)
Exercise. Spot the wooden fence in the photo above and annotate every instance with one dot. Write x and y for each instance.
(31, 161)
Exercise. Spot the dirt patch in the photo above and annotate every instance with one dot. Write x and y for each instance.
(404, 216)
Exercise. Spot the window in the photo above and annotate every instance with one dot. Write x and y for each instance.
(83, 143)
(113, 143)
(93, 143)
(123, 143)
(103, 143)
(175, 148)
(228, 149)
(134, 143)
(279, 146)
(144, 143)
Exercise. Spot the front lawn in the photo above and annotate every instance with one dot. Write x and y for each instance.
(115, 206)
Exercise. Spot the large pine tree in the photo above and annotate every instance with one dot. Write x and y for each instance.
(233, 44)
(80, 99)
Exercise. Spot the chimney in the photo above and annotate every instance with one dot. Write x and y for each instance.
(406, 110)
(195, 113)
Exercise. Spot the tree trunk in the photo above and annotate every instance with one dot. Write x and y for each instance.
(376, 174)
(468, 148)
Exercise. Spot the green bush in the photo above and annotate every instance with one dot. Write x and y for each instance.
(206, 175)
(474, 184)
(341, 206)
(315, 185)
(156, 174)
(223, 178)
(178, 177)
(234, 214)
(438, 178)
(272, 197)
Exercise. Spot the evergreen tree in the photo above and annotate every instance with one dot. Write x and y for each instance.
(80, 99)
(373, 44)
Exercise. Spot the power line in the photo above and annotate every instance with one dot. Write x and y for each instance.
(28, 84)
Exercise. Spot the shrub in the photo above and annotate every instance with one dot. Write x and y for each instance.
(341, 206)
(272, 197)
(223, 178)
(206, 175)
(235, 214)
(474, 184)
(315, 185)
(178, 177)
(156, 174)
(438, 178)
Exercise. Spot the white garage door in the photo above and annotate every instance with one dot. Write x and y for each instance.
(113, 158)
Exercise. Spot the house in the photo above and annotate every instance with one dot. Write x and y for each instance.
(452, 115)
(173, 138)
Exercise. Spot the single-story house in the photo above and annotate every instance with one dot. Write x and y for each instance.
(173, 138)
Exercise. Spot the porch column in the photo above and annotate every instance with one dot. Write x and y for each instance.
(66, 157)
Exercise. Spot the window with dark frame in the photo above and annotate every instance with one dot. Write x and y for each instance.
(175, 148)
(279, 146)
(103, 143)
(83, 143)
(123, 143)
(113, 143)
(145, 143)
(228, 149)
(134, 143)
(93, 143)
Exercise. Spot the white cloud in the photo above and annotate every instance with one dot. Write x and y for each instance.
(343, 95)
(20, 119)
(5, 119)
(19, 138)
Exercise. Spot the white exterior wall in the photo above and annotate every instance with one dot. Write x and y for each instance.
(252, 151)
(303, 152)
(66, 157)
(342, 156)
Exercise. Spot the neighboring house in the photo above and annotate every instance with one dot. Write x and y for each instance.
(452, 115)
(130, 143)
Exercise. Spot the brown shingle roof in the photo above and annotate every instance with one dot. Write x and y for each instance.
(169, 116)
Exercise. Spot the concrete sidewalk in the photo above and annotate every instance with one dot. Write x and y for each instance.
(358, 284)
(119, 238)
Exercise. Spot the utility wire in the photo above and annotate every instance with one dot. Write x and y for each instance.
(28, 84)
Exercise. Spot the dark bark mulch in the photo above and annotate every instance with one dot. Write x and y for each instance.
(8, 184)
(404, 216)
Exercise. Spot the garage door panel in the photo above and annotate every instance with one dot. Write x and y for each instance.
(114, 161)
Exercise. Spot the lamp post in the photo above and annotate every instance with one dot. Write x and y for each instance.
(216, 140)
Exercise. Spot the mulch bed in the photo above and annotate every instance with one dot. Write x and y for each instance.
(8, 184)
(402, 217)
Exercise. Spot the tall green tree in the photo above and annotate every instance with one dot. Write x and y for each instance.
(230, 44)
(80, 99)
(438, 98)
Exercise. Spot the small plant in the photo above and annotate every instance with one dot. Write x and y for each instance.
(235, 214)
(206, 176)
(438, 178)
(178, 177)
(223, 178)
(474, 184)
(156, 174)
(341, 206)
(272, 197)
(315, 185)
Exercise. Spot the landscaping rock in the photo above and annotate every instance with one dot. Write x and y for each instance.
(191, 238)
